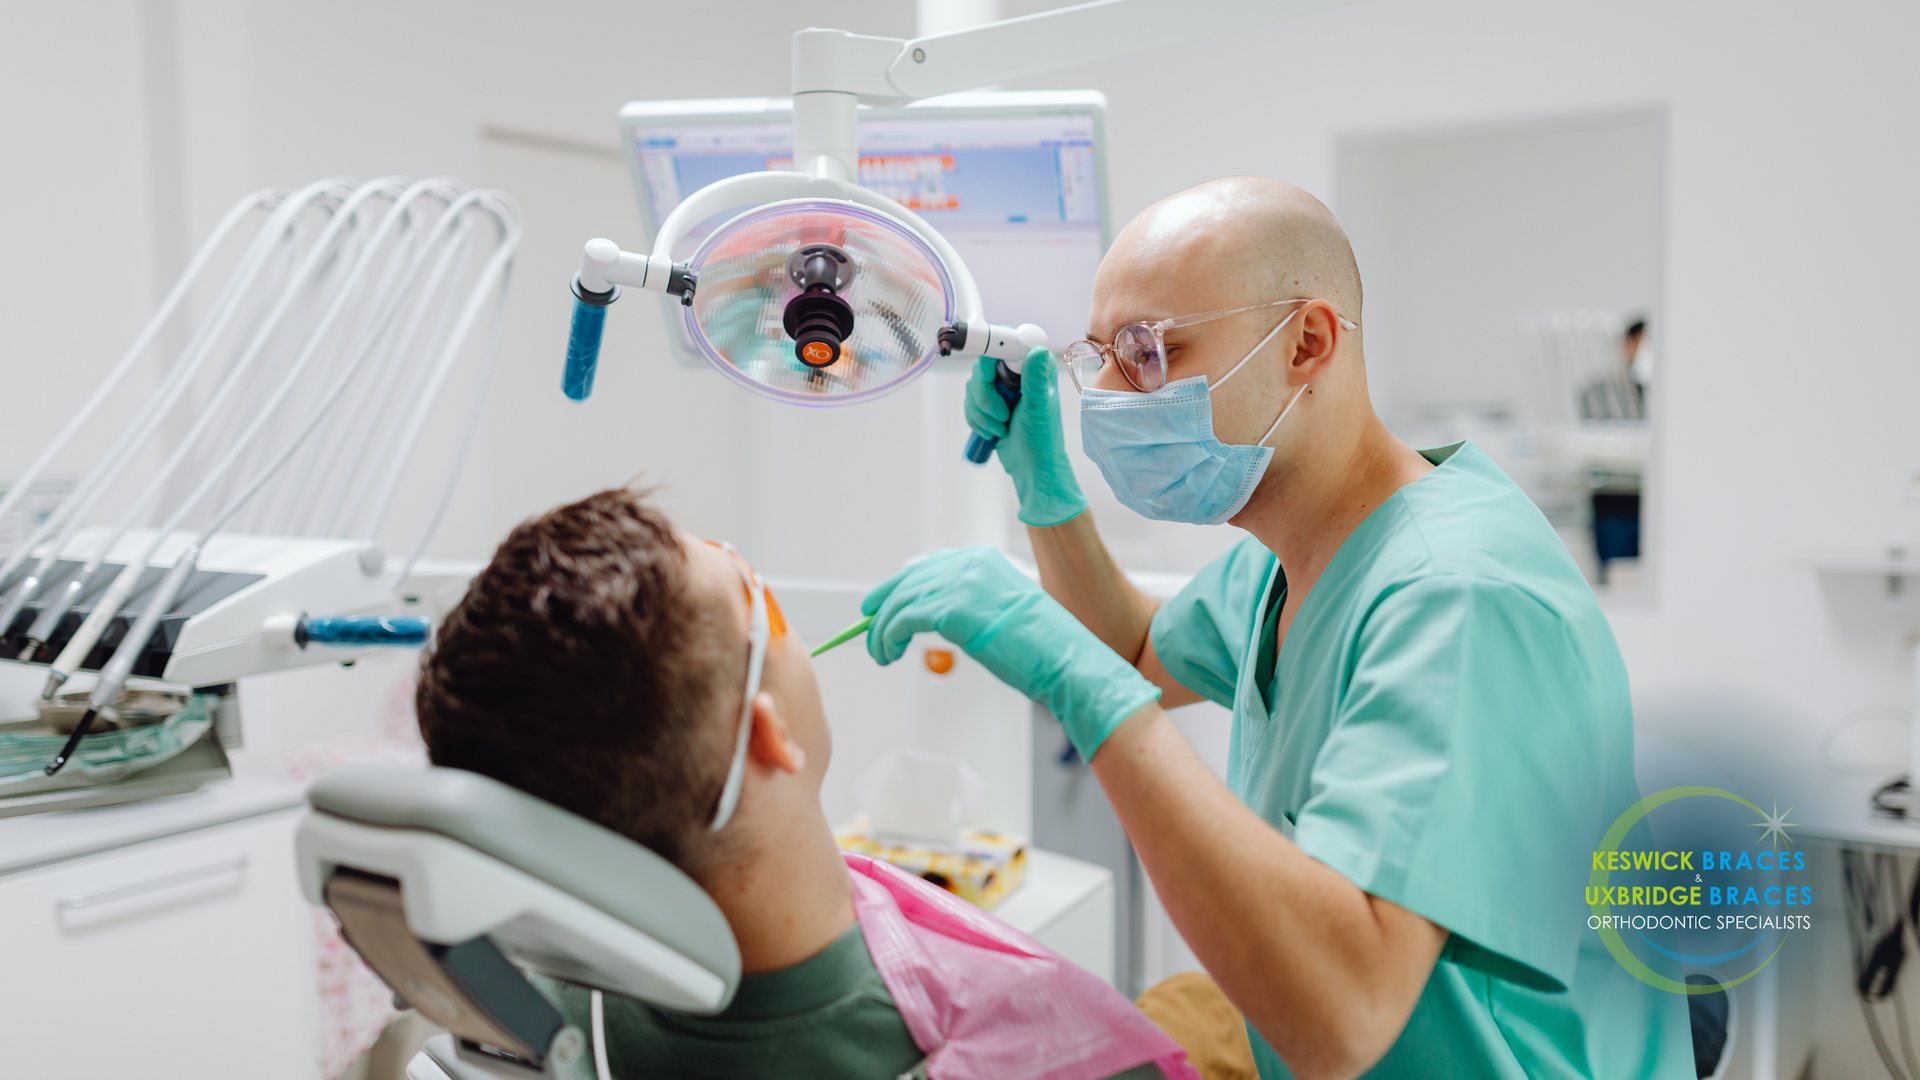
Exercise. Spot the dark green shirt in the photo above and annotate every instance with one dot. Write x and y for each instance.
(829, 1016)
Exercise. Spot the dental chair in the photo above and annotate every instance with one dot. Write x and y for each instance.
(451, 886)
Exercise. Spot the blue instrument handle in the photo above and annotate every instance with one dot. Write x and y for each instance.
(1007, 382)
(583, 340)
(363, 630)
(980, 448)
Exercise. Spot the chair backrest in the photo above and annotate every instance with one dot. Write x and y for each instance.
(445, 881)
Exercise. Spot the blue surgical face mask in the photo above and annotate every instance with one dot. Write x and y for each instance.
(1159, 454)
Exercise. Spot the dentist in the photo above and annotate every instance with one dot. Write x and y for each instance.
(1431, 725)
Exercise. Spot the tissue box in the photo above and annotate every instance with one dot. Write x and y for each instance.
(983, 867)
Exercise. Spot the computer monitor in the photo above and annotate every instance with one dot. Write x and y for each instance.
(1016, 182)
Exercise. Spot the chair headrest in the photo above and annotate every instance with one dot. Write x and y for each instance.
(570, 853)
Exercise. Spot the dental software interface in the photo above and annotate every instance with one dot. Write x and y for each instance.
(1017, 196)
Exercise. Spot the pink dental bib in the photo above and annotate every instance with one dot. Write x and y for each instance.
(985, 1001)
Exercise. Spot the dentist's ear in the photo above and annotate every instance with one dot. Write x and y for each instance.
(771, 744)
(1320, 334)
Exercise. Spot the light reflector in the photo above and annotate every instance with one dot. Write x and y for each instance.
(899, 291)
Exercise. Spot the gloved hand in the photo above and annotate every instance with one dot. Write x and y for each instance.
(1032, 448)
(974, 598)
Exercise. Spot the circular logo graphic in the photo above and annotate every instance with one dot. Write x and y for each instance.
(1736, 902)
(818, 353)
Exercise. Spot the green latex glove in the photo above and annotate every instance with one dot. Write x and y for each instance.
(1032, 448)
(974, 598)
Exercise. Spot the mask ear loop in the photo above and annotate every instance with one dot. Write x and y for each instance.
(1235, 370)
(1291, 402)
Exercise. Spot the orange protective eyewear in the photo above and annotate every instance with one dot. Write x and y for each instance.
(776, 622)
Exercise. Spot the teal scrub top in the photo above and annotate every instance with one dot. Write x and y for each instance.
(1448, 727)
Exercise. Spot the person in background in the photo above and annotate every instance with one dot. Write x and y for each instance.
(1619, 395)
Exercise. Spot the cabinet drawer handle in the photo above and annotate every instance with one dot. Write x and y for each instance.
(235, 865)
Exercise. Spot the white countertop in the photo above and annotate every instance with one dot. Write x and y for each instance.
(1838, 809)
(39, 839)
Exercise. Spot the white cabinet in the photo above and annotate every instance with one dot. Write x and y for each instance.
(190, 954)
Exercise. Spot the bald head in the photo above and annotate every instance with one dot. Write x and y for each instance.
(1238, 240)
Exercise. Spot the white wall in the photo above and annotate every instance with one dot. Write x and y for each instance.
(1460, 232)
(75, 279)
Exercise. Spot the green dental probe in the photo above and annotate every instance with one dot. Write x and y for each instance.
(843, 636)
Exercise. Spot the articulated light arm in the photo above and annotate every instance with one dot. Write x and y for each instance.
(833, 70)
(894, 70)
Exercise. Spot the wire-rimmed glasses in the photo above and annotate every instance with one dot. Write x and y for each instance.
(1139, 349)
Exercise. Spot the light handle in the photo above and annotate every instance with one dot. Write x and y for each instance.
(583, 339)
(1007, 382)
(1009, 345)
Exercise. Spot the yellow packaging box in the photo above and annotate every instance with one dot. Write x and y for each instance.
(983, 867)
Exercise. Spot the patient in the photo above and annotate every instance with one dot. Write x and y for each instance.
(600, 662)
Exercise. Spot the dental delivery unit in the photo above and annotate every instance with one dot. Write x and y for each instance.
(230, 521)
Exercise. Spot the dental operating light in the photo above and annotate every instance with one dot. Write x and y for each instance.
(822, 292)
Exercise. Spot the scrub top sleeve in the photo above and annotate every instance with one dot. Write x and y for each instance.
(1202, 634)
(1460, 779)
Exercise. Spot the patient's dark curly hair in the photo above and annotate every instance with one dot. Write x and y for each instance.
(584, 667)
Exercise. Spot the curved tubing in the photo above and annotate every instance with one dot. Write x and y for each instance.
(302, 495)
(509, 211)
(496, 267)
(89, 633)
(168, 393)
(266, 197)
(126, 655)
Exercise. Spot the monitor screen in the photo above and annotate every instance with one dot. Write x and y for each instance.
(1014, 181)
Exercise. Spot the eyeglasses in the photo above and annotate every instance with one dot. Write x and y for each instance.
(764, 623)
(1139, 349)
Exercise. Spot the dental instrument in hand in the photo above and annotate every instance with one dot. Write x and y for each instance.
(843, 636)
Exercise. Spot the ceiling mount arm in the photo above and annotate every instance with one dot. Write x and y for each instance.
(890, 71)
(1049, 40)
